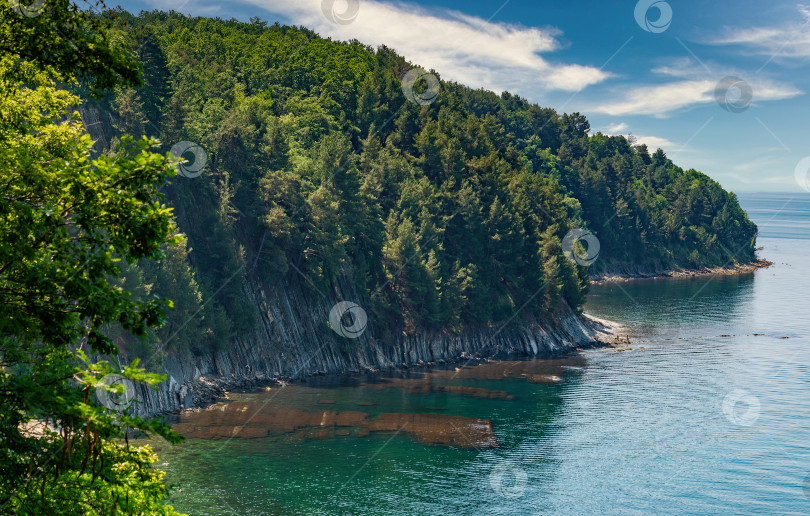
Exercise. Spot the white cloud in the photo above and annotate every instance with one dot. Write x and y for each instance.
(695, 85)
(659, 99)
(656, 142)
(791, 39)
(620, 128)
(467, 49)
(652, 142)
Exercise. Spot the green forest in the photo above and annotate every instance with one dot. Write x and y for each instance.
(298, 160)
(445, 212)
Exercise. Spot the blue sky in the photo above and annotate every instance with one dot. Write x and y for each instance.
(648, 68)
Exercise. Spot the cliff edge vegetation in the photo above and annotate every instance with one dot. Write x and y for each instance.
(448, 207)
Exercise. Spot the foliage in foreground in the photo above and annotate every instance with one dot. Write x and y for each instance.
(69, 219)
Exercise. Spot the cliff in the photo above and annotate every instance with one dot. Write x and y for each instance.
(292, 340)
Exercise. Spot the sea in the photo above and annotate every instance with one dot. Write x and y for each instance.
(706, 411)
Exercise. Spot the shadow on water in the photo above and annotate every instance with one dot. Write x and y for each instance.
(667, 303)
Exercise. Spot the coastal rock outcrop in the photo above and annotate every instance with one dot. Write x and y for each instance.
(292, 340)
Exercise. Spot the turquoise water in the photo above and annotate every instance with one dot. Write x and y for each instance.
(712, 416)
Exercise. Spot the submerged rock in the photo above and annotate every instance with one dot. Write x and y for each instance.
(255, 420)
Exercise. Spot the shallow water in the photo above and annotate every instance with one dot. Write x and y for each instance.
(712, 416)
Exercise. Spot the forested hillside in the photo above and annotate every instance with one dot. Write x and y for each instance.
(445, 212)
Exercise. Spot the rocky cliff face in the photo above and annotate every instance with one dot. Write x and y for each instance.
(293, 340)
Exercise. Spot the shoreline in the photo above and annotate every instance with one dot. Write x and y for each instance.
(209, 391)
(290, 342)
(731, 270)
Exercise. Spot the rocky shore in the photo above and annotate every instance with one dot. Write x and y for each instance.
(292, 342)
(294, 413)
(628, 274)
(195, 383)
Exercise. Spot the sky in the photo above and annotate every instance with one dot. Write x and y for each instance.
(722, 86)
